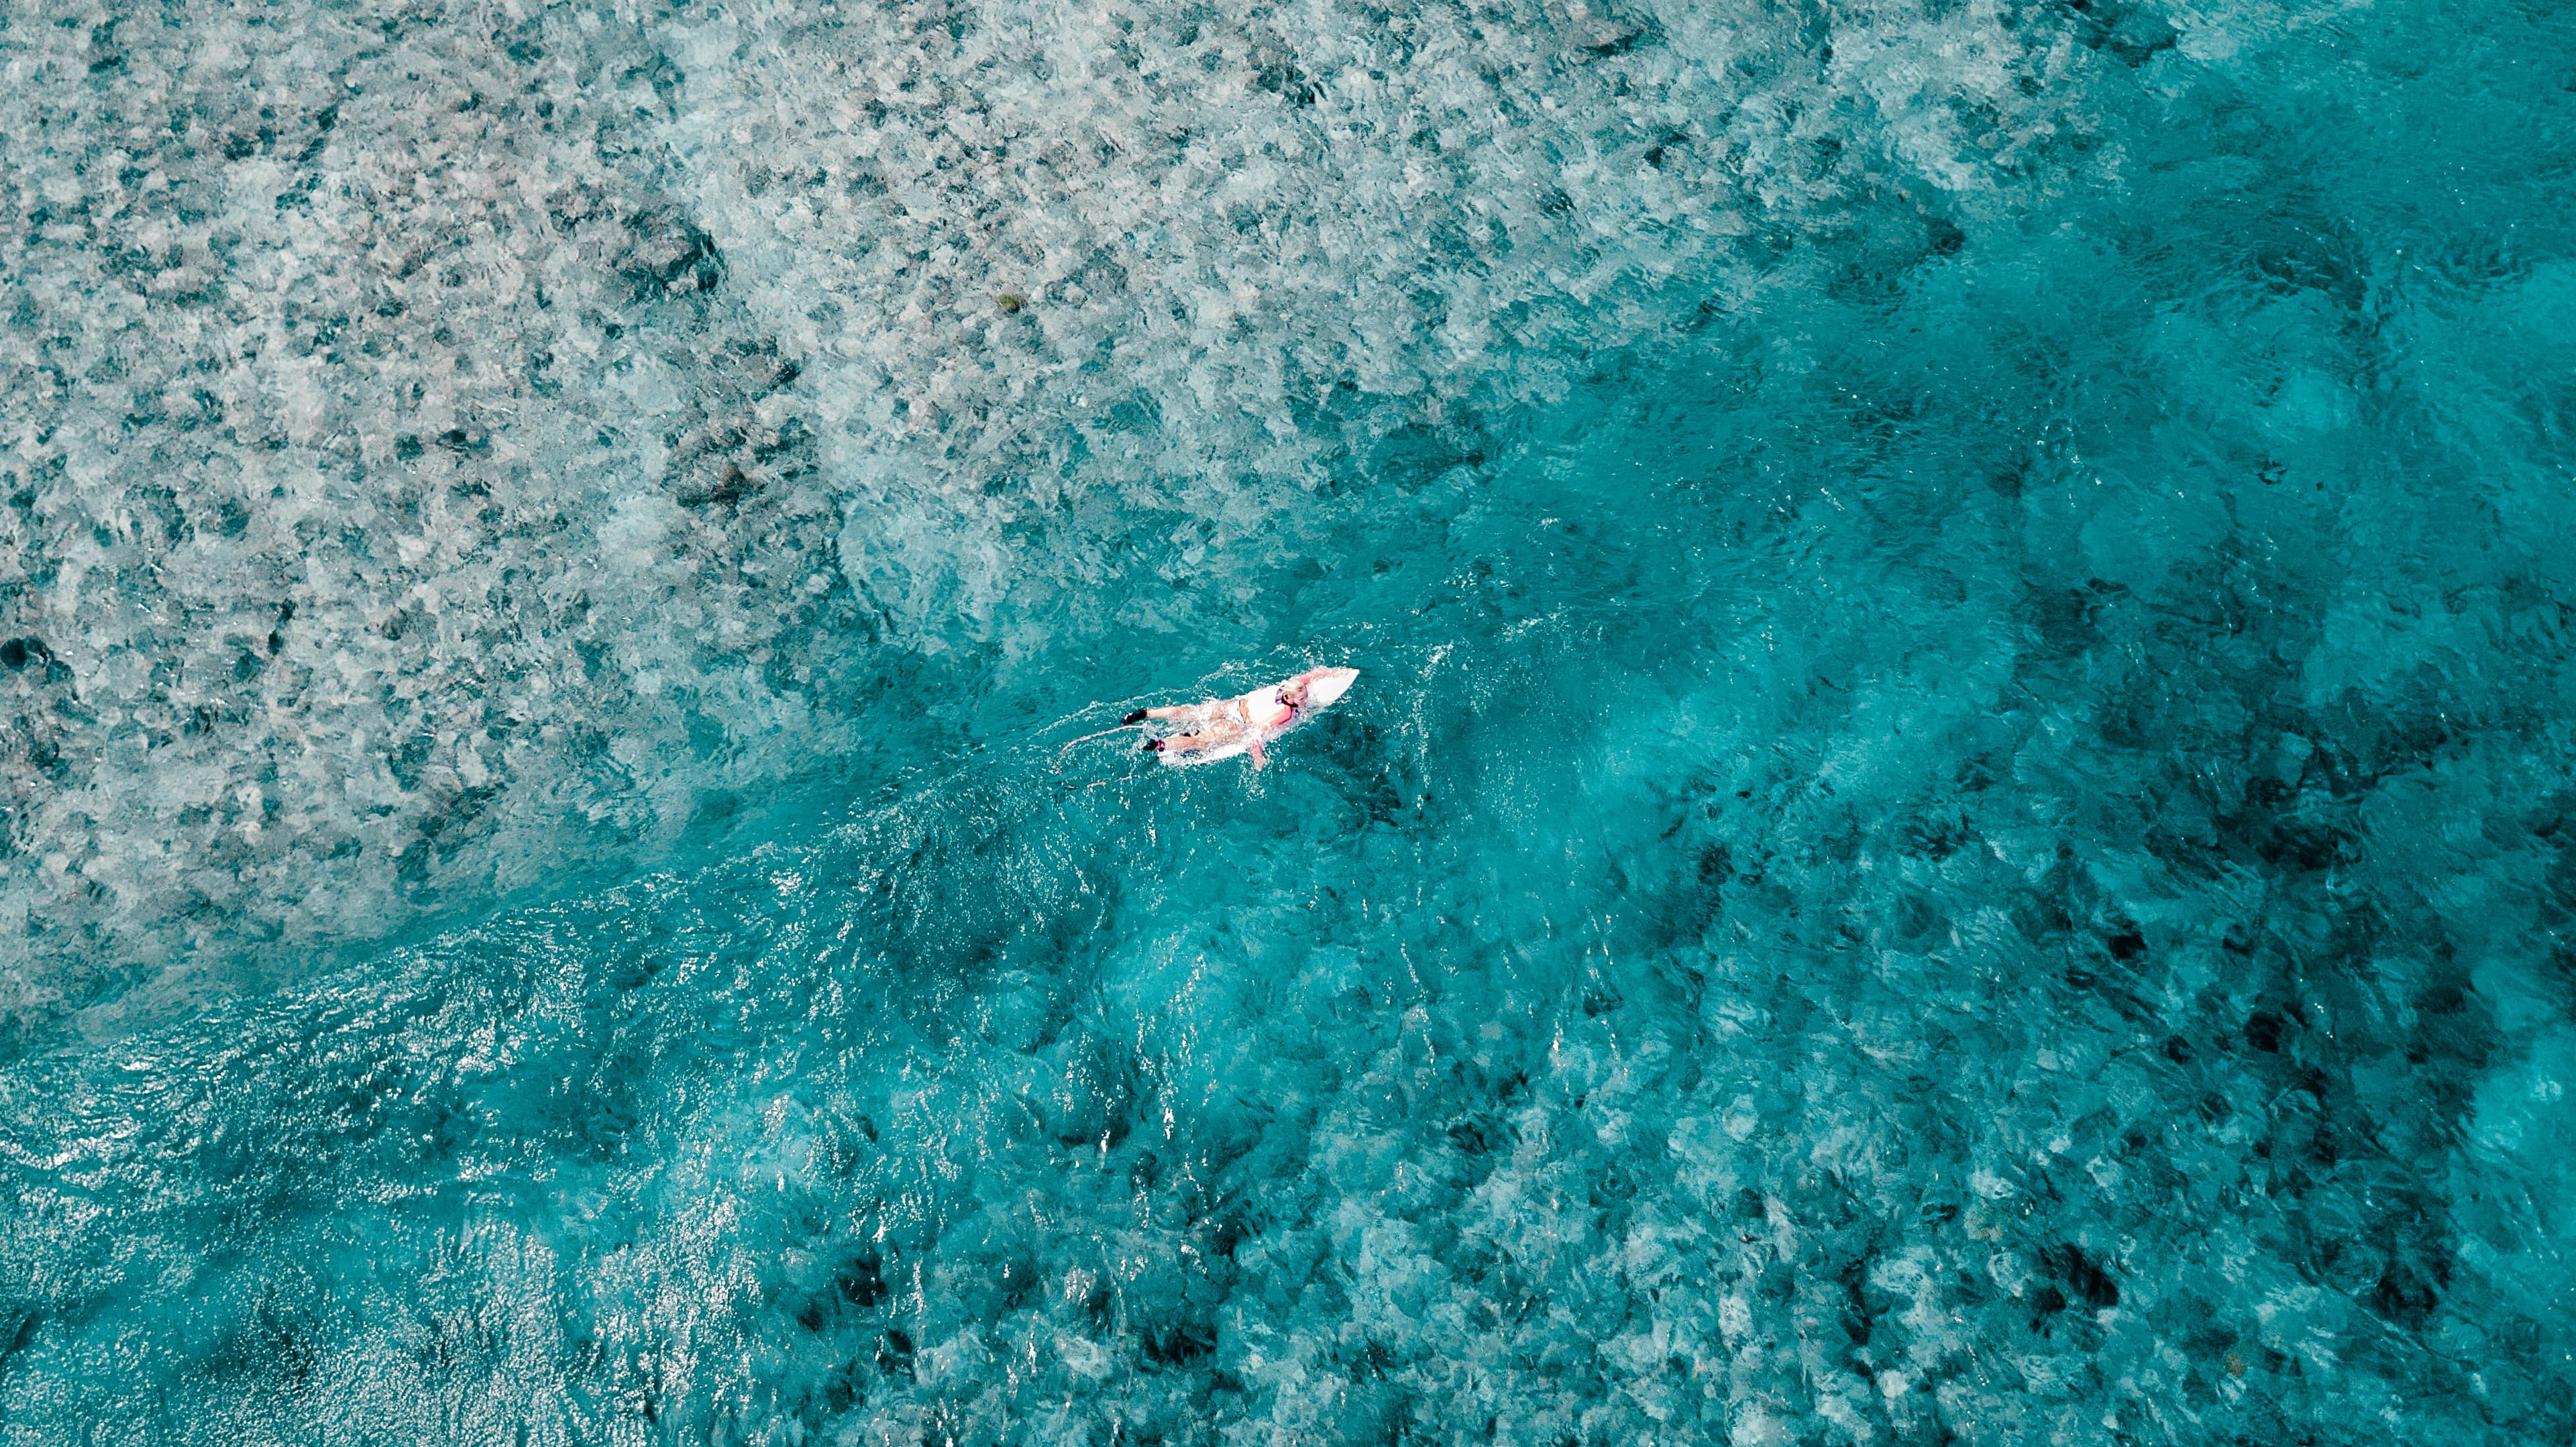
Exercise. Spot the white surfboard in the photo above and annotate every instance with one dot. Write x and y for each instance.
(1324, 686)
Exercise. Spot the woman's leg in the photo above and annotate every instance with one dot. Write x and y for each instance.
(1203, 739)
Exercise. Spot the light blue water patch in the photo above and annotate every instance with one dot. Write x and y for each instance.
(1955, 826)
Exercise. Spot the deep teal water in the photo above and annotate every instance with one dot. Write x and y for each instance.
(1972, 842)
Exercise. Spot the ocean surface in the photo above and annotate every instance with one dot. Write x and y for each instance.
(1957, 824)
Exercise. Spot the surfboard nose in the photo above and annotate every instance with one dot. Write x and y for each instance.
(1324, 685)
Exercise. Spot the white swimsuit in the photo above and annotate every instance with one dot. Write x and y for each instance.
(1261, 703)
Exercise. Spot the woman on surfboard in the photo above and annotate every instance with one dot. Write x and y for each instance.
(1224, 727)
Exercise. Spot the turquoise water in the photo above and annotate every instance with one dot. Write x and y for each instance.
(1955, 827)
